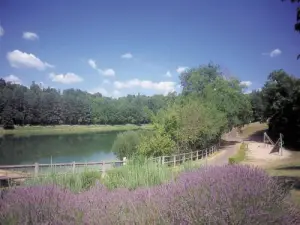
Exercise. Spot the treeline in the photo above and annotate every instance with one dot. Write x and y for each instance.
(20, 105)
(210, 104)
(278, 103)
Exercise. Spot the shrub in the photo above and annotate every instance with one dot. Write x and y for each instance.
(216, 195)
(158, 144)
(126, 143)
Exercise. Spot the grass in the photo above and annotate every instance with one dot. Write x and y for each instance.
(252, 129)
(136, 173)
(76, 182)
(69, 129)
(240, 155)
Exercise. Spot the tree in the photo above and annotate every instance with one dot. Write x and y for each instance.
(297, 24)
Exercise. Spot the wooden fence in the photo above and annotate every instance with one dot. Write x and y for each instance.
(174, 160)
(34, 170)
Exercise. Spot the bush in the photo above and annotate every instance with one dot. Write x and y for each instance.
(126, 143)
(158, 144)
(215, 195)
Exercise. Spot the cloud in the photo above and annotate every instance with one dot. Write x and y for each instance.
(163, 86)
(105, 81)
(13, 79)
(107, 72)
(92, 63)
(127, 56)
(181, 69)
(20, 59)
(30, 36)
(104, 92)
(168, 74)
(276, 52)
(246, 83)
(1, 31)
(67, 78)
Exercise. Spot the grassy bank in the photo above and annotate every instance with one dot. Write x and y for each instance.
(69, 129)
(240, 156)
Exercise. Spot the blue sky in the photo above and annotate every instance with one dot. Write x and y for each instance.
(126, 47)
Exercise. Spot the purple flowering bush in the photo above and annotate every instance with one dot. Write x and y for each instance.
(231, 194)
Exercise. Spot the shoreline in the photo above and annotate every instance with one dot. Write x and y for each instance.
(68, 129)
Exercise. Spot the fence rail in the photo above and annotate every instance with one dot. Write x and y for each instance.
(174, 160)
(36, 169)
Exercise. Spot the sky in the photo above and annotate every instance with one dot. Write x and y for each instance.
(136, 46)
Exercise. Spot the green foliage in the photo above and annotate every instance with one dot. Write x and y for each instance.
(76, 182)
(279, 104)
(240, 155)
(126, 143)
(157, 144)
(37, 105)
(139, 172)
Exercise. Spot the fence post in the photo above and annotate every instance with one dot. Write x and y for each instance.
(163, 160)
(103, 170)
(191, 156)
(206, 156)
(174, 158)
(36, 169)
(197, 155)
(124, 161)
(183, 158)
(73, 167)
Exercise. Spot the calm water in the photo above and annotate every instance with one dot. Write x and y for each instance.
(62, 148)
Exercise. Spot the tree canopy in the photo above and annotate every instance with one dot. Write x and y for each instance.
(278, 103)
(35, 105)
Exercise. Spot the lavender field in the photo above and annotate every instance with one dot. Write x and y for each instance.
(232, 194)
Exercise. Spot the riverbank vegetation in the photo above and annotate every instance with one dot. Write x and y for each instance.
(70, 129)
(210, 105)
(37, 105)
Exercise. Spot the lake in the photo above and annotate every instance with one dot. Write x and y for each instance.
(85, 147)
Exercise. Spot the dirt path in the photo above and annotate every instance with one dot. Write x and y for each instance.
(229, 147)
(259, 154)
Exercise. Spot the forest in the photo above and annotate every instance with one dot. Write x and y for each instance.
(20, 105)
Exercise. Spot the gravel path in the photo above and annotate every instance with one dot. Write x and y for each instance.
(228, 149)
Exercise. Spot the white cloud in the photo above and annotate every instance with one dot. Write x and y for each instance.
(104, 92)
(274, 53)
(30, 36)
(163, 86)
(105, 81)
(246, 83)
(127, 56)
(168, 74)
(67, 78)
(1, 31)
(107, 72)
(13, 79)
(92, 63)
(20, 59)
(181, 69)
